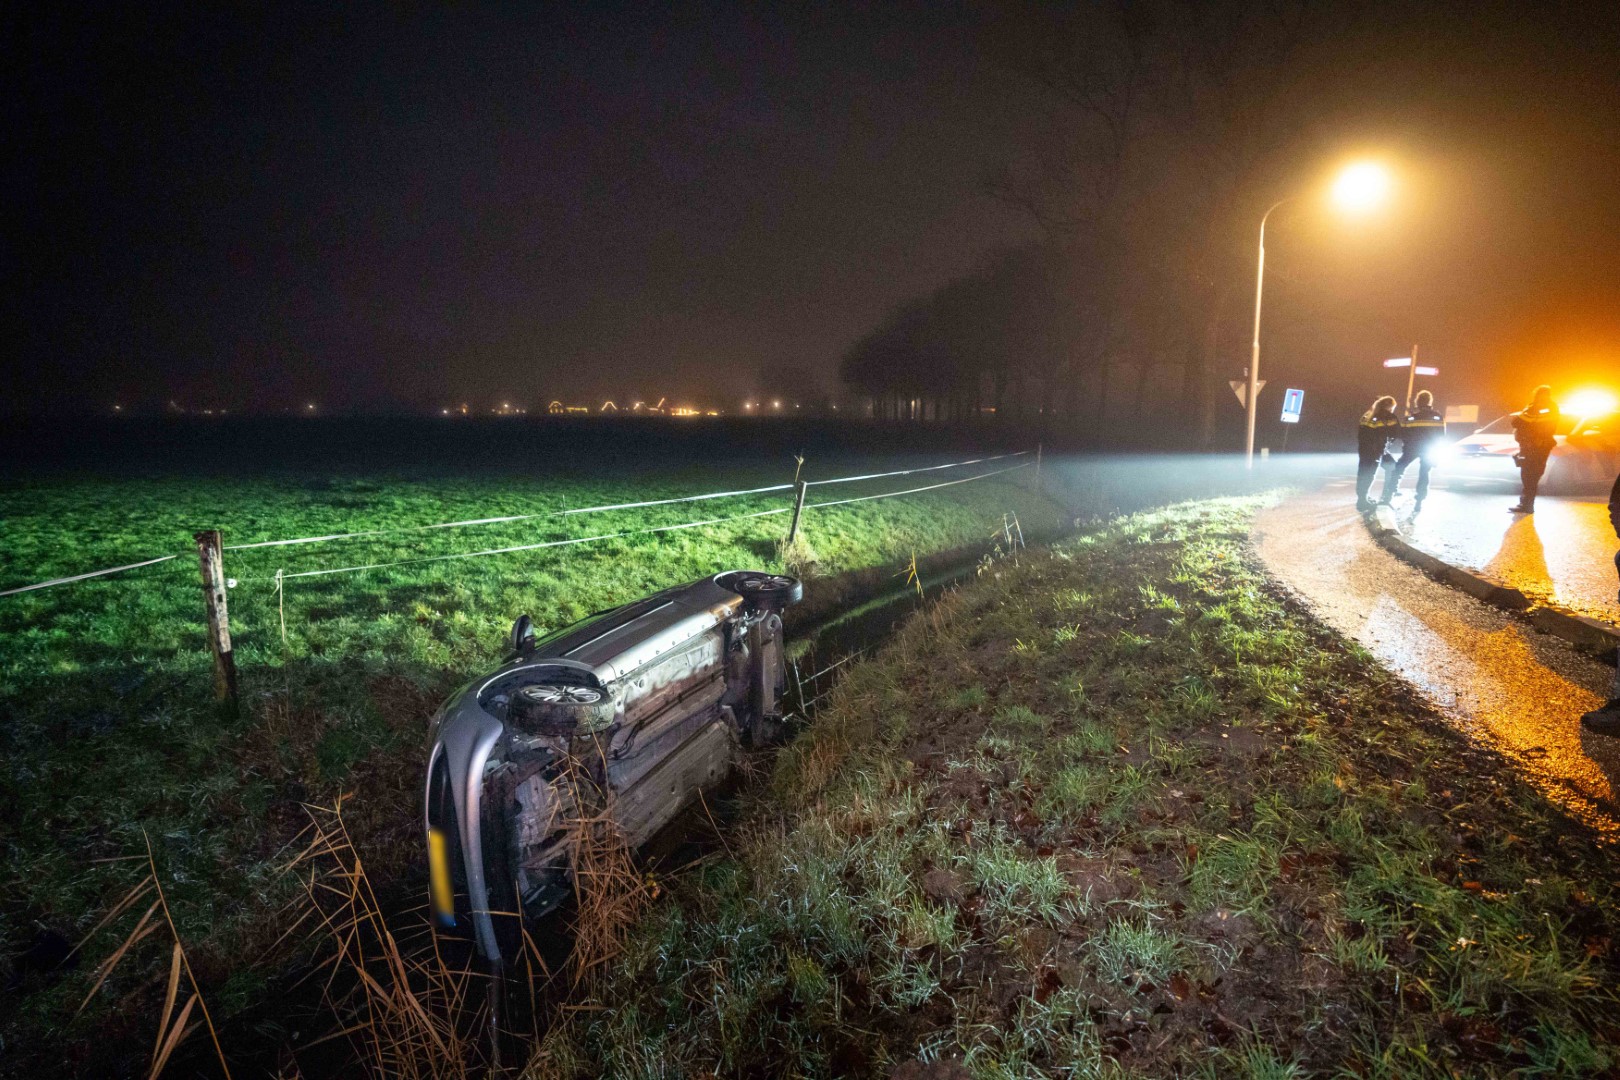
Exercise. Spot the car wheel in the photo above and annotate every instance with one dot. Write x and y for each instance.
(762, 591)
(561, 708)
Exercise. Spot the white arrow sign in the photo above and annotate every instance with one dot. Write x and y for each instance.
(1240, 387)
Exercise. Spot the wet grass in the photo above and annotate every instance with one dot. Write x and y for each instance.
(1123, 810)
(109, 735)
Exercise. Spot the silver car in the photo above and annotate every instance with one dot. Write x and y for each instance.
(628, 714)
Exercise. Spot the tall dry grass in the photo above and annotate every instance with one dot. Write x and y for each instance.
(173, 1028)
(406, 1009)
(406, 1003)
(610, 893)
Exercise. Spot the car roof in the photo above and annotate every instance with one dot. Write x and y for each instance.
(1567, 423)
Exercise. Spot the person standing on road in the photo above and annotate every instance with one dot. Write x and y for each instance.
(1606, 721)
(1536, 428)
(1422, 429)
(1378, 426)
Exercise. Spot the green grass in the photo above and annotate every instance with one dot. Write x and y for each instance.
(109, 736)
(1139, 816)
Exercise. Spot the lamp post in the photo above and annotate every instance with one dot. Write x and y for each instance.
(1358, 187)
(1254, 355)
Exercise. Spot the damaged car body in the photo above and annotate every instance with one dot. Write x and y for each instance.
(626, 715)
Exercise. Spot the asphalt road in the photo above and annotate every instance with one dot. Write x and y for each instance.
(1563, 553)
(1498, 680)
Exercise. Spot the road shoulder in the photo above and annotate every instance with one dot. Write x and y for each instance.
(1582, 631)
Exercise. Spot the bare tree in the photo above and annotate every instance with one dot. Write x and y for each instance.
(1166, 124)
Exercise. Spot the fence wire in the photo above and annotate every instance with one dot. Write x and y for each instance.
(508, 518)
(86, 577)
(372, 533)
(908, 472)
(913, 491)
(525, 547)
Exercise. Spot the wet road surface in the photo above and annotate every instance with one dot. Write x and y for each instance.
(1563, 553)
(1503, 683)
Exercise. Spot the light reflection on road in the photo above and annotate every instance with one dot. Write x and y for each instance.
(1500, 681)
(1564, 553)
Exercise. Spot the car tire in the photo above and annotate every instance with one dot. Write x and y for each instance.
(764, 591)
(561, 707)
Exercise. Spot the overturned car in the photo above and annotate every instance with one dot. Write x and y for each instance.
(627, 714)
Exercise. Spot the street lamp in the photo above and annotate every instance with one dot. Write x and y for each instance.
(1357, 189)
(1361, 187)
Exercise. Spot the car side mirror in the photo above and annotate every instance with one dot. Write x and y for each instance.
(522, 638)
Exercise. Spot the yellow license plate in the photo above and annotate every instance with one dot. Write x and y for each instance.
(440, 894)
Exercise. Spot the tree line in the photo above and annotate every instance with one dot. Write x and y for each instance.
(1169, 126)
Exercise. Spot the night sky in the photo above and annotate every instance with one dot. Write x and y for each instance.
(374, 208)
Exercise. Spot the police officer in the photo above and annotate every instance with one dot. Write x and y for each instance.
(1606, 721)
(1422, 430)
(1535, 428)
(1378, 426)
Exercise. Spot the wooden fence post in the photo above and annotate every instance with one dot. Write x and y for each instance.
(212, 563)
(799, 489)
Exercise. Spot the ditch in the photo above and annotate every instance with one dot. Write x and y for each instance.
(295, 1026)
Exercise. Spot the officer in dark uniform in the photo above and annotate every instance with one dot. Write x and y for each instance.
(1535, 428)
(1606, 721)
(1422, 430)
(1378, 426)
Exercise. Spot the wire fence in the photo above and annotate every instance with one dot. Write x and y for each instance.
(533, 547)
(87, 576)
(373, 534)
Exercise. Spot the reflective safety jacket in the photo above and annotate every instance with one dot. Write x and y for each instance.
(1421, 428)
(1535, 429)
(1374, 433)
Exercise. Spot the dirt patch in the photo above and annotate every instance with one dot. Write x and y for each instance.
(1097, 880)
(943, 886)
(1233, 740)
(950, 1069)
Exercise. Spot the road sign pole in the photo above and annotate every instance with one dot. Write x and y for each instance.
(1411, 373)
(1254, 356)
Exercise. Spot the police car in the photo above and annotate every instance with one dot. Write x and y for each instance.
(1586, 457)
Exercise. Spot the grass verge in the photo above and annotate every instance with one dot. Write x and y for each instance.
(1122, 809)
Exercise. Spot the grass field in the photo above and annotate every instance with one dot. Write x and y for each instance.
(1117, 810)
(109, 737)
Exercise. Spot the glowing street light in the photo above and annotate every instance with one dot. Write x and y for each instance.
(1358, 188)
(1361, 187)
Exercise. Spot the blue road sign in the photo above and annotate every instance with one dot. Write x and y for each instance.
(1293, 402)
